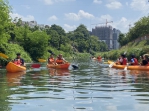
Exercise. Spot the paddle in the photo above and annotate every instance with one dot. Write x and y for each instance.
(126, 66)
(111, 64)
(4, 56)
(35, 66)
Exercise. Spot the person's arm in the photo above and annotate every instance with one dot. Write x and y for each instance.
(64, 60)
(22, 62)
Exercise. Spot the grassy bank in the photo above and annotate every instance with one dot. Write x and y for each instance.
(137, 49)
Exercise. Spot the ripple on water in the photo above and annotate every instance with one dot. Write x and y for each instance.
(89, 88)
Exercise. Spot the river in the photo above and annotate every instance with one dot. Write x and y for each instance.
(89, 88)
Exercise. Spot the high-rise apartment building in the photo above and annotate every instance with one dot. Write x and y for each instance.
(108, 35)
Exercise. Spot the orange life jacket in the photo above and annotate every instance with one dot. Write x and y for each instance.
(51, 60)
(59, 61)
(98, 57)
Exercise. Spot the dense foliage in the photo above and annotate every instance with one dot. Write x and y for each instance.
(34, 43)
(141, 28)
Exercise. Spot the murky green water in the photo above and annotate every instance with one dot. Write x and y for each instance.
(90, 88)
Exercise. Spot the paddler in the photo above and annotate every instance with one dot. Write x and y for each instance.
(18, 60)
(60, 59)
(51, 59)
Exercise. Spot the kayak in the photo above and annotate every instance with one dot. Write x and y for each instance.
(132, 67)
(11, 67)
(41, 60)
(59, 66)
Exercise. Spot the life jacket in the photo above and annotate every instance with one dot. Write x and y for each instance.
(51, 60)
(18, 62)
(98, 57)
(124, 61)
(135, 61)
(59, 61)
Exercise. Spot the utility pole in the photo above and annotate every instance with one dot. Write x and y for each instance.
(129, 26)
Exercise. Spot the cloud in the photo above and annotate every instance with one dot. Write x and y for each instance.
(122, 24)
(81, 14)
(69, 27)
(97, 1)
(140, 5)
(114, 5)
(26, 6)
(52, 18)
(72, 16)
(50, 2)
(27, 18)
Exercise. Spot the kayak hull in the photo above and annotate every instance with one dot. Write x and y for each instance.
(59, 66)
(132, 67)
(11, 67)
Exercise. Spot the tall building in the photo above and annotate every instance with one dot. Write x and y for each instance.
(105, 33)
(116, 34)
(108, 35)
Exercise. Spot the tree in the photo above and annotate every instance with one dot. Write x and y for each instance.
(36, 44)
(4, 20)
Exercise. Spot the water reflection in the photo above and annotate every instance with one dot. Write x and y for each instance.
(90, 88)
(14, 78)
(59, 72)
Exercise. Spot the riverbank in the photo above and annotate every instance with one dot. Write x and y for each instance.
(137, 48)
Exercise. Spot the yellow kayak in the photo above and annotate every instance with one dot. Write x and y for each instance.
(11, 67)
(131, 67)
(41, 60)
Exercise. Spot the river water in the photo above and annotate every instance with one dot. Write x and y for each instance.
(89, 88)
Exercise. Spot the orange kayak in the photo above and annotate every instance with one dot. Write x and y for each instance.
(132, 67)
(59, 66)
(11, 67)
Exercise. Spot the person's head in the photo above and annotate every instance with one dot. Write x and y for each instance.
(60, 56)
(51, 56)
(145, 57)
(18, 55)
(132, 56)
(123, 56)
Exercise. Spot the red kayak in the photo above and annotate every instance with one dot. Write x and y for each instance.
(59, 66)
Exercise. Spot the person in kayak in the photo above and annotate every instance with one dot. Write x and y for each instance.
(133, 60)
(51, 59)
(18, 60)
(60, 59)
(144, 60)
(123, 60)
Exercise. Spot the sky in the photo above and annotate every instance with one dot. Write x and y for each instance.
(69, 14)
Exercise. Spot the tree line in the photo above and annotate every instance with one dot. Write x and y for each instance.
(35, 42)
(140, 28)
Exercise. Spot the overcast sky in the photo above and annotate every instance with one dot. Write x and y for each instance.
(69, 14)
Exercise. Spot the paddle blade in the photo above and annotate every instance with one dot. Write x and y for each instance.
(35, 65)
(125, 68)
(111, 64)
(41, 60)
(4, 56)
(75, 66)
